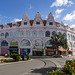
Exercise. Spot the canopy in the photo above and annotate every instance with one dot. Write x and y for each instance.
(50, 50)
(13, 49)
(62, 50)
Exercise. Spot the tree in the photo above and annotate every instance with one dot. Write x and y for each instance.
(58, 40)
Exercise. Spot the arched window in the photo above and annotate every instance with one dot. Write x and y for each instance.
(53, 33)
(16, 34)
(4, 43)
(6, 35)
(13, 43)
(22, 34)
(25, 42)
(47, 34)
(41, 33)
(28, 33)
(34, 33)
(64, 35)
(48, 43)
(2, 35)
(11, 34)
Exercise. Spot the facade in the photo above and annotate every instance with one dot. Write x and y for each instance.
(34, 35)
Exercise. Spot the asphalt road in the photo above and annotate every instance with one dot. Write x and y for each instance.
(37, 66)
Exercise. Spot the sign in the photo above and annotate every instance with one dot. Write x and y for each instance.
(37, 49)
(24, 51)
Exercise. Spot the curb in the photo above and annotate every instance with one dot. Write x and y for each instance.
(16, 62)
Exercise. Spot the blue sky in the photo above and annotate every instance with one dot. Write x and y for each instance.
(13, 10)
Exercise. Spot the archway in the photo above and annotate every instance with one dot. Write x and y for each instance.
(13, 49)
(25, 47)
(38, 47)
(49, 49)
(4, 47)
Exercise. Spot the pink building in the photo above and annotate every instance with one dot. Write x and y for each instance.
(34, 35)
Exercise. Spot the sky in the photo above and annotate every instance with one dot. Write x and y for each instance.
(62, 10)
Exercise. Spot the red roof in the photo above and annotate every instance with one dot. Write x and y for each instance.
(31, 23)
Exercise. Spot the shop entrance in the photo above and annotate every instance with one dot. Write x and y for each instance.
(13, 49)
(37, 47)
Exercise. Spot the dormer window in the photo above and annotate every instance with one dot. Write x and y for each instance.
(25, 23)
(38, 23)
(50, 23)
(14, 24)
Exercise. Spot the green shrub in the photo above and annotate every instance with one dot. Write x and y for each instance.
(2, 60)
(22, 56)
(18, 58)
(6, 60)
(28, 57)
(57, 72)
(14, 56)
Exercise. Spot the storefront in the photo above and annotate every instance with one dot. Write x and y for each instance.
(24, 51)
(63, 51)
(37, 47)
(37, 52)
(50, 52)
(13, 49)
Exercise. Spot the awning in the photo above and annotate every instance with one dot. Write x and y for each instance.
(70, 50)
(16, 49)
(50, 50)
(62, 50)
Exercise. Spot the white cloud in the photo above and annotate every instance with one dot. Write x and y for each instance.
(73, 26)
(46, 17)
(58, 11)
(30, 7)
(57, 16)
(16, 20)
(61, 3)
(70, 17)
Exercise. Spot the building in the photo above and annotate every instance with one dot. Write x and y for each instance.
(34, 35)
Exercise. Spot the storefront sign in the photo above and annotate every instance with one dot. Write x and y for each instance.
(24, 51)
(37, 49)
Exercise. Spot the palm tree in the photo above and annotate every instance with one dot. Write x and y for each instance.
(58, 40)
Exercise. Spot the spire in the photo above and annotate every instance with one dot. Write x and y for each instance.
(50, 15)
(37, 15)
(25, 14)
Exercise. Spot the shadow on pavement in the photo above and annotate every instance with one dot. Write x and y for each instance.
(43, 71)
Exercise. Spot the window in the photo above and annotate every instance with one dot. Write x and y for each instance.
(14, 24)
(47, 34)
(34, 33)
(25, 42)
(50, 23)
(4, 43)
(16, 34)
(48, 43)
(2, 35)
(53, 33)
(28, 33)
(11, 34)
(41, 33)
(6, 35)
(25, 23)
(37, 22)
(22, 34)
